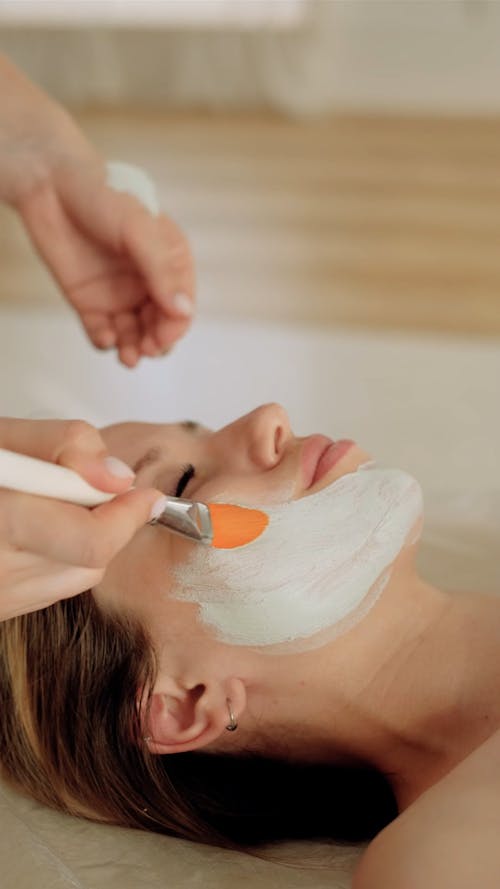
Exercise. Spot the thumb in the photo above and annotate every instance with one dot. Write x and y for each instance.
(112, 525)
(74, 535)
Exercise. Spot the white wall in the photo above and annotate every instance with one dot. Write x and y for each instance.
(423, 402)
(440, 55)
(396, 55)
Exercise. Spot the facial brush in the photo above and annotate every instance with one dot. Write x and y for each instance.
(221, 525)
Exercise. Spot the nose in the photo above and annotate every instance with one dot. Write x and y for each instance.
(260, 436)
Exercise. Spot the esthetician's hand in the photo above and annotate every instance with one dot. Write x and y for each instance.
(51, 550)
(128, 273)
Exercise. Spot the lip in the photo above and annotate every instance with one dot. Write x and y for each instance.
(319, 455)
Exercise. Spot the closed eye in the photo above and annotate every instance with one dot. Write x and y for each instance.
(187, 474)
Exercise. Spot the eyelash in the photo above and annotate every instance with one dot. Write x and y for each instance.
(188, 473)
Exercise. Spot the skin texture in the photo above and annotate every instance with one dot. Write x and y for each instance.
(120, 267)
(382, 693)
(448, 838)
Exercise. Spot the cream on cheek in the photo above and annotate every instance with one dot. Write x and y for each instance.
(321, 564)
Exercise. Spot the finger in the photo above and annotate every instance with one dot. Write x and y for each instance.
(38, 582)
(115, 328)
(129, 356)
(128, 326)
(152, 248)
(61, 581)
(155, 246)
(72, 443)
(148, 347)
(151, 313)
(58, 581)
(71, 534)
(110, 290)
(99, 329)
(162, 254)
(148, 315)
(104, 339)
(162, 332)
(167, 332)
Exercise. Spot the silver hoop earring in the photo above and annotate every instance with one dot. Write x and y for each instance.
(233, 725)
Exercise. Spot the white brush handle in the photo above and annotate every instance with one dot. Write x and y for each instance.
(21, 473)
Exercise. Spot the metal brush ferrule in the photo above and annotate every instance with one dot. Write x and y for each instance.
(187, 518)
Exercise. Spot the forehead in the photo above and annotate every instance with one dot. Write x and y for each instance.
(147, 442)
(136, 430)
(139, 432)
(131, 427)
(134, 439)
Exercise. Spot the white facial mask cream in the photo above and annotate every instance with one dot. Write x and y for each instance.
(320, 565)
(135, 181)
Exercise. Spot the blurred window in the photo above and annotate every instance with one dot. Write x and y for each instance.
(169, 13)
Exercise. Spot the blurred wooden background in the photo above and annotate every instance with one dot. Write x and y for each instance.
(373, 221)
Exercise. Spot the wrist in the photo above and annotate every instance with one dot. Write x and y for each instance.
(37, 137)
(53, 163)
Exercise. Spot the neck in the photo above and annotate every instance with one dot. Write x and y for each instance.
(395, 691)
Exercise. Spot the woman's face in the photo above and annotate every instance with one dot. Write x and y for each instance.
(255, 459)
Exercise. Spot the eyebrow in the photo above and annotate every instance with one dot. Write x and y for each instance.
(153, 455)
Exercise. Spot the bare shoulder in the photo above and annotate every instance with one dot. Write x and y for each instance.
(448, 838)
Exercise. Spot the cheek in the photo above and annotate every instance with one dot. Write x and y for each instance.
(320, 565)
(255, 490)
(168, 617)
(139, 574)
(172, 619)
(139, 582)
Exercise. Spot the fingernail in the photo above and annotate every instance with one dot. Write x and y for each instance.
(157, 509)
(182, 304)
(118, 468)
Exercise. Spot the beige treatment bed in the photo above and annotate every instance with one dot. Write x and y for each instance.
(427, 403)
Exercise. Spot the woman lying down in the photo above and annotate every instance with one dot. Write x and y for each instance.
(309, 684)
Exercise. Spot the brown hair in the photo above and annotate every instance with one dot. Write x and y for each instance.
(70, 736)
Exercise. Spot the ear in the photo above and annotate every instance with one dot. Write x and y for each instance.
(182, 719)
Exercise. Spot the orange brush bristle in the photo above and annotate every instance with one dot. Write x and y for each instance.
(235, 525)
